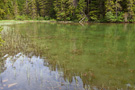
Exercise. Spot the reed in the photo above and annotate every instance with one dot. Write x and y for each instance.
(15, 43)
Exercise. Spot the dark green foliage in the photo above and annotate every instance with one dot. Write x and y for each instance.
(120, 17)
(30, 9)
(22, 17)
(80, 11)
(65, 10)
(15, 8)
(130, 8)
(45, 8)
(47, 18)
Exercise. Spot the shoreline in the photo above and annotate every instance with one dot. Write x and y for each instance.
(65, 22)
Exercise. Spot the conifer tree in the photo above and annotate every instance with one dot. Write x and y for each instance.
(117, 7)
(45, 8)
(64, 9)
(130, 8)
(109, 4)
(8, 8)
(94, 10)
(21, 6)
(80, 11)
(15, 8)
(30, 9)
(33, 9)
(2, 11)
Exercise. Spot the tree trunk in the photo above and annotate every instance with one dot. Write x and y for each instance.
(125, 17)
(75, 3)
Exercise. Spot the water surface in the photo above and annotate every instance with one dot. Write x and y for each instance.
(42, 56)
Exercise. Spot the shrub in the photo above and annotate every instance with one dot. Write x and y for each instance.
(110, 17)
(47, 18)
(68, 18)
(120, 17)
(52, 19)
(40, 18)
(22, 17)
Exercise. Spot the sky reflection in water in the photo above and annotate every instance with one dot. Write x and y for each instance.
(32, 73)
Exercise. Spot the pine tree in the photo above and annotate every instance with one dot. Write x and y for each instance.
(30, 9)
(110, 11)
(72, 4)
(26, 7)
(42, 7)
(8, 8)
(60, 9)
(117, 7)
(64, 9)
(109, 4)
(80, 10)
(130, 8)
(45, 8)
(33, 9)
(15, 8)
(21, 6)
(2, 11)
(94, 12)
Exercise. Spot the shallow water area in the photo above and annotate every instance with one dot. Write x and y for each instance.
(52, 56)
(21, 72)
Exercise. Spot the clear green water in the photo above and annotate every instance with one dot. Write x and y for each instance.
(42, 56)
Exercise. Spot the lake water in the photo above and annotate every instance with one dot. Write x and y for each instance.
(50, 56)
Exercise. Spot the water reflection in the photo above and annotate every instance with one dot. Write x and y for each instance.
(96, 56)
(32, 73)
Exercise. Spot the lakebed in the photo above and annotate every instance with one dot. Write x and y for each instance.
(52, 56)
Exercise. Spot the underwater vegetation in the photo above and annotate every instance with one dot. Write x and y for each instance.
(92, 57)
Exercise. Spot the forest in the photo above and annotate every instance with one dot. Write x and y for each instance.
(68, 10)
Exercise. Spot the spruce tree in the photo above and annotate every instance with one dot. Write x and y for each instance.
(33, 9)
(130, 8)
(64, 9)
(80, 10)
(117, 7)
(15, 8)
(2, 11)
(30, 9)
(110, 11)
(94, 12)
(45, 8)
(109, 4)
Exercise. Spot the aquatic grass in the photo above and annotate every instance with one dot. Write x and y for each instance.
(1, 41)
(15, 43)
(109, 52)
(15, 72)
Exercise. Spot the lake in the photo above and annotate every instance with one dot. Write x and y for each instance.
(53, 56)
